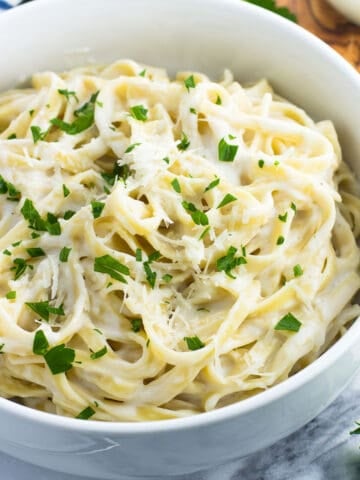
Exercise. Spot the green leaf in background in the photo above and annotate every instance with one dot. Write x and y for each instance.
(271, 5)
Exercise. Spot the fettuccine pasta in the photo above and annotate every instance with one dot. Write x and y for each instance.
(168, 247)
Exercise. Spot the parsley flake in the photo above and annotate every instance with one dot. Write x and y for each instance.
(138, 255)
(35, 252)
(184, 143)
(189, 82)
(64, 254)
(40, 343)
(283, 218)
(97, 208)
(288, 322)
(66, 191)
(271, 5)
(167, 278)
(176, 185)
(11, 295)
(212, 184)
(226, 200)
(261, 163)
(293, 206)
(280, 240)
(194, 343)
(205, 232)
(68, 214)
(85, 414)
(37, 134)
(199, 217)
(192, 110)
(357, 430)
(20, 267)
(131, 147)
(59, 359)
(139, 112)
(142, 73)
(109, 265)
(226, 151)
(298, 271)
(136, 324)
(100, 353)
(12, 136)
(44, 309)
(150, 274)
(218, 100)
(68, 94)
(84, 118)
(228, 262)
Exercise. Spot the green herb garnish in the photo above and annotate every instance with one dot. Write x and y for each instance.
(112, 267)
(64, 254)
(166, 160)
(12, 136)
(218, 100)
(139, 112)
(226, 151)
(66, 191)
(283, 218)
(199, 217)
(99, 353)
(37, 134)
(138, 255)
(193, 111)
(97, 208)
(35, 252)
(280, 240)
(68, 94)
(289, 323)
(59, 359)
(184, 143)
(84, 118)
(20, 267)
(40, 343)
(298, 271)
(205, 232)
(150, 274)
(271, 5)
(44, 309)
(189, 82)
(6, 252)
(227, 199)
(131, 147)
(136, 324)
(11, 295)
(68, 214)
(212, 184)
(357, 430)
(85, 414)
(167, 278)
(293, 206)
(228, 262)
(176, 185)
(261, 163)
(194, 343)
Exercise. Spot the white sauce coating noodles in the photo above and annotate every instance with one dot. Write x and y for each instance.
(224, 212)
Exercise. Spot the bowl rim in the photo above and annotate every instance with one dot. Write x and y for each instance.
(274, 393)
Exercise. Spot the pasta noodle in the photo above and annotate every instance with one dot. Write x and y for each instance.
(168, 247)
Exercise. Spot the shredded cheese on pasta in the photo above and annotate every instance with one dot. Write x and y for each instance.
(167, 247)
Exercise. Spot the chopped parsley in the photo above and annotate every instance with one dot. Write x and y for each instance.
(35, 252)
(44, 309)
(109, 265)
(298, 271)
(288, 322)
(131, 147)
(280, 240)
(166, 160)
(68, 214)
(12, 136)
(293, 206)
(139, 112)
(228, 262)
(176, 185)
(10, 189)
(100, 353)
(261, 163)
(68, 94)
(218, 100)
(199, 217)
(150, 274)
(357, 430)
(167, 278)
(35, 235)
(20, 267)
(119, 171)
(11, 295)
(84, 118)
(212, 184)
(194, 343)
(30, 213)
(97, 208)
(205, 232)
(283, 218)
(138, 255)
(40, 343)
(85, 414)
(142, 73)
(271, 5)
(66, 191)
(7, 252)
(189, 82)
(226, 200)
(154, 256)
(16, 244)
(37, 134)
(184, 143)
(59, 359)
(64, 254)
(136, 324)
(192, 110)
(226, 151)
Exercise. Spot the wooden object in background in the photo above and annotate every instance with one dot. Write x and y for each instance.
(320, 18)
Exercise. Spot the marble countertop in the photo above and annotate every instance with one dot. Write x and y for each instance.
(322, 450)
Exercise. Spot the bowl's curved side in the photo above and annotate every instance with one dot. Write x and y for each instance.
(205, 35)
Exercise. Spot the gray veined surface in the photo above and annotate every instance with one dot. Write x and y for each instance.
(322, 450)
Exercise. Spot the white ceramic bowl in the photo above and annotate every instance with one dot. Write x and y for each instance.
(349, 8)
(205, 35)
